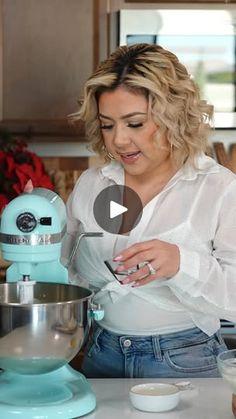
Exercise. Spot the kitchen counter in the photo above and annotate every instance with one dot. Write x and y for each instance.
(210, 398)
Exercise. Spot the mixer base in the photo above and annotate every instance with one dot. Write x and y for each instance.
(64, 393)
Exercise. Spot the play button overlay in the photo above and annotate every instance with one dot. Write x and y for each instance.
(117, 209)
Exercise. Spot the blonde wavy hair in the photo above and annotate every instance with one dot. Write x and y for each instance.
(173, 96)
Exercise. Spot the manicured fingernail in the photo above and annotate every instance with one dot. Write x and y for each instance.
(120, 268)
(125, 281)
(119, 257)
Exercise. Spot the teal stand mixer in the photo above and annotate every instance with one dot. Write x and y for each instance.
(44, 321)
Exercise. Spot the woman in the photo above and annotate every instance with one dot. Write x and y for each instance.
(143, 112)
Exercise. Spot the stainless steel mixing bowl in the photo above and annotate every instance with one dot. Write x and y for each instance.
(45, 335)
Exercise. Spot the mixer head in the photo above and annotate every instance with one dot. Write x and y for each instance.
(32, 227)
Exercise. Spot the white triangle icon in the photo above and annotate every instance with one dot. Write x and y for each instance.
(116, 209)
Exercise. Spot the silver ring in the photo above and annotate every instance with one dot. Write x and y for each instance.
(152, 271)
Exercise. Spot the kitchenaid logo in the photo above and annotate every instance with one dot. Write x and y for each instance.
(31, 240)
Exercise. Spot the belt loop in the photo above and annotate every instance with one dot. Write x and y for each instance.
(156, 347)
(97, 333)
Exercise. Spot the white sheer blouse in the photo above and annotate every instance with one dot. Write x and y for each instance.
(197, 211)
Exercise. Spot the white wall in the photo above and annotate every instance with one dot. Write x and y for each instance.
(60, 149)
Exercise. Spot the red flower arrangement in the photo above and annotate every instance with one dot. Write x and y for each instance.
(18, 165)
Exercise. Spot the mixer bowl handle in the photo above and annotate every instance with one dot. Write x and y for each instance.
(96, 312)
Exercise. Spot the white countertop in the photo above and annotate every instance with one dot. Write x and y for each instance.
(210, 398)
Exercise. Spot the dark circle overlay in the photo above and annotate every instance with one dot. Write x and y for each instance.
(121, 195)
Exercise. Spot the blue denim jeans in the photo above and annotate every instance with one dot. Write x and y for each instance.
(186, 354)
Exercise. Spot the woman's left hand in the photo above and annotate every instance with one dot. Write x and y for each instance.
(158, 259)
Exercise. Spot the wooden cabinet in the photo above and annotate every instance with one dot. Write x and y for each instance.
(46, 56)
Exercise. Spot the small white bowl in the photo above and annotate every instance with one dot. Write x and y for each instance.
(154, 397)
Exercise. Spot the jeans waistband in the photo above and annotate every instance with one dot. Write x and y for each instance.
(165, 342)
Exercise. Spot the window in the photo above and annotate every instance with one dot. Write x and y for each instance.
(204, 40)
